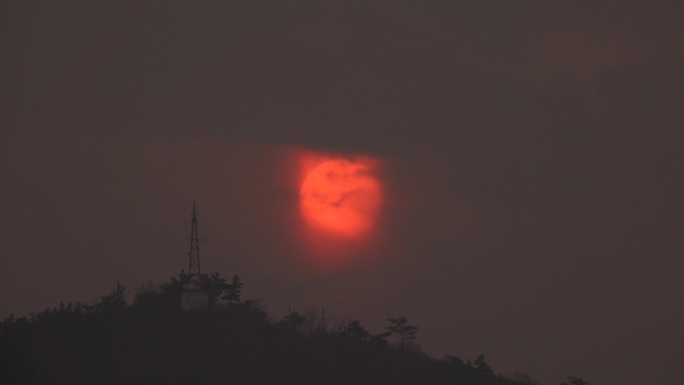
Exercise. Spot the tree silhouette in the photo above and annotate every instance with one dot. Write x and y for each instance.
(175, 285)
(482, 366)
(293, 322)
(112, 342)
(356, 332)
(114, 302)
(214, 285)
(145, 295)
(379, 341)
(316, 323)
(233, 290)
(401, 328)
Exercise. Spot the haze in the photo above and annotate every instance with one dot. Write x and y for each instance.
(532, 186)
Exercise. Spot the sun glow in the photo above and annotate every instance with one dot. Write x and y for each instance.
(341, 197)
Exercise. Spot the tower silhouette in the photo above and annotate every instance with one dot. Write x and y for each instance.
(193, 297)
(193, 254)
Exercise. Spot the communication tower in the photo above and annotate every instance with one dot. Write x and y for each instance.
(193, 297)
(193, 254)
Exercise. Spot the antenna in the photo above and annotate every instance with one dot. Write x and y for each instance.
(193, 297)
(193, 254)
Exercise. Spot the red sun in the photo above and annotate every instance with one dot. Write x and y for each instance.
(341, 197)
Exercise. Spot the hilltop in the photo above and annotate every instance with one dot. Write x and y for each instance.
(152, 341)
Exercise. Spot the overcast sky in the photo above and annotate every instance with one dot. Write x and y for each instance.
(531, 165)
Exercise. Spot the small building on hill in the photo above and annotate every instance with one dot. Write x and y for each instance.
(194, 299)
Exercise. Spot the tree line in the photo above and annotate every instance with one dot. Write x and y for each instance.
(152, 341)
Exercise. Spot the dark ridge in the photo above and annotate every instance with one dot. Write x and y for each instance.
(152, 341)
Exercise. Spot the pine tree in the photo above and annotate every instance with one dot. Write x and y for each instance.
(401, 328)
(234, 290)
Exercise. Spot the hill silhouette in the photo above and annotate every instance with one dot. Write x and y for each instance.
(152, 341)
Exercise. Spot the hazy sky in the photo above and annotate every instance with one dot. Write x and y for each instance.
(531, 159)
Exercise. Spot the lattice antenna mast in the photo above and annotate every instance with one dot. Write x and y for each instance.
(193, 254)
